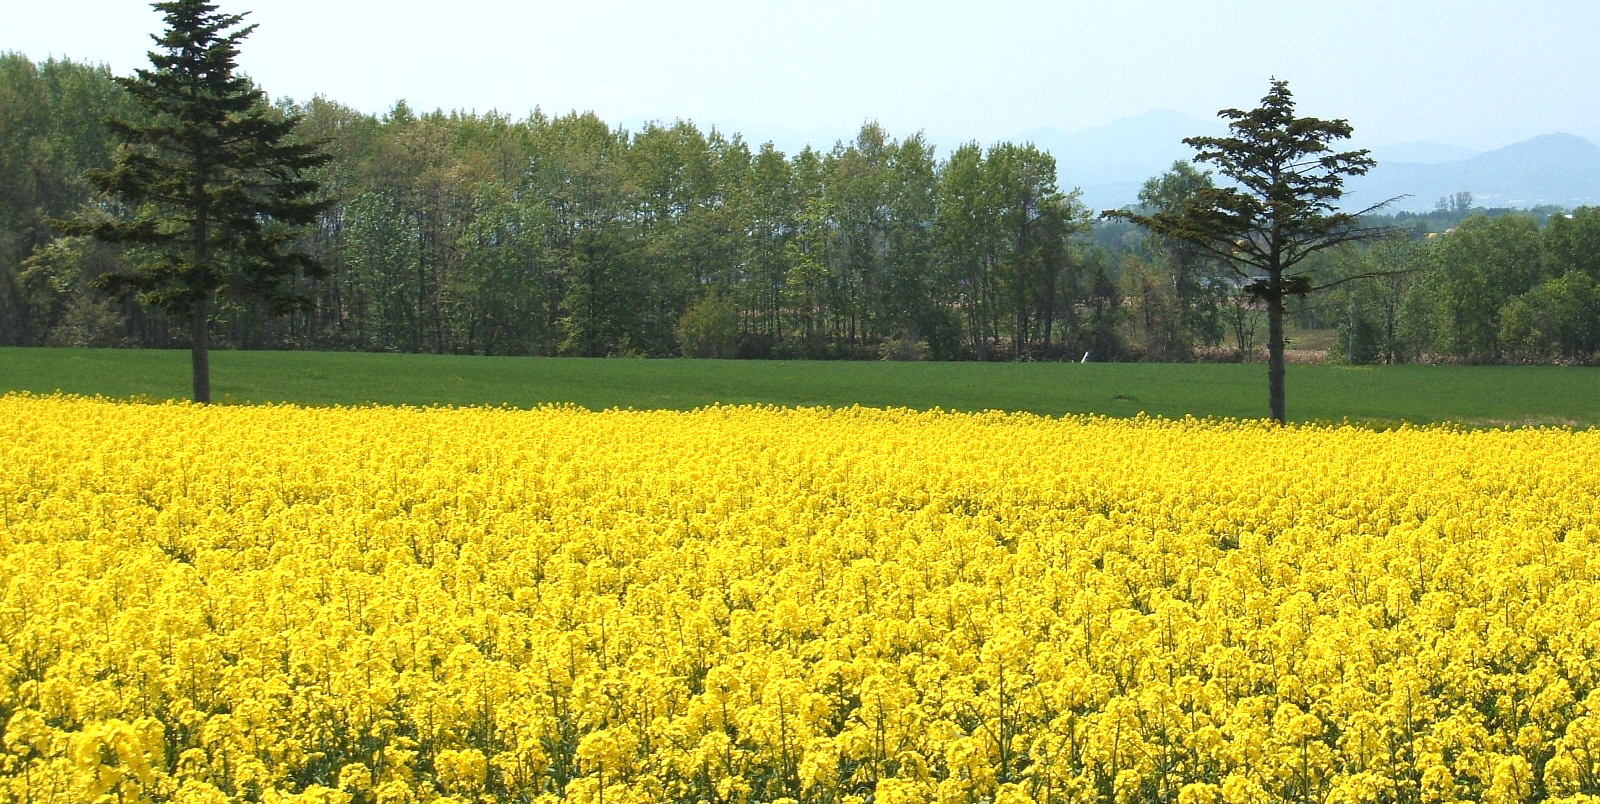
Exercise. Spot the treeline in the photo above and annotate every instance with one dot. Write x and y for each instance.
(483, 234)
(1465, 285)
(1493, 288)
(560, 235)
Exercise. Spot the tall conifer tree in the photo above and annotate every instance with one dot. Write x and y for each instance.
(1280, 208)
(209, 183)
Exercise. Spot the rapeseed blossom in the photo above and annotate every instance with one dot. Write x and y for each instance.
(747, 604)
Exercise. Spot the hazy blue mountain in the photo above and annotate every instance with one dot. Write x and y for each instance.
(1129, 149)
(1427, 153)
(1559, 169)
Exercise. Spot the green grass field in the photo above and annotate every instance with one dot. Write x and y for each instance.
(1472, 395)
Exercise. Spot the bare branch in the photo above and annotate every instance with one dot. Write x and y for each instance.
(1365, 275)
(1380, 205)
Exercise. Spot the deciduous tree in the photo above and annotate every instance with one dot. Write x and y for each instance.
(1476, 270)
(1198, 288)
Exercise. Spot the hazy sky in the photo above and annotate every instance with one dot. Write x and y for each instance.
(1477, 74)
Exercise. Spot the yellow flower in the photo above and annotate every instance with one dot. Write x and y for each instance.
(757, 604)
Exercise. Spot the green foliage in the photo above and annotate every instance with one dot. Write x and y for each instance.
(710, 328)
(51, 131)
(1572, 242)
(940, 328)
(1369, 316)
(1359, 340)
(501, 244)
(1009, 239)
(379, 254)
(1559, 318)
(1475, 271)
(1179, 295)
(65, 307)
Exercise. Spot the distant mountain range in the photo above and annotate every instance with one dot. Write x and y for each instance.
(1109, 163)
(1558, 169)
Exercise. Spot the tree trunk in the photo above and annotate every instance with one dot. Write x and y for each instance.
(1049, 317)
(200, 350)
(1275, 347)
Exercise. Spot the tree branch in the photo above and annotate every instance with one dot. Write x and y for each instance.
(1364, 275)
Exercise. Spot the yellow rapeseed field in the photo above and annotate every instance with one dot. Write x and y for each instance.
(284, 604)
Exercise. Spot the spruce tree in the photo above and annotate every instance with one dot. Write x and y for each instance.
(208, 187)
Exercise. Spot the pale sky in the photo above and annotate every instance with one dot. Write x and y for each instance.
(1471, 73)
